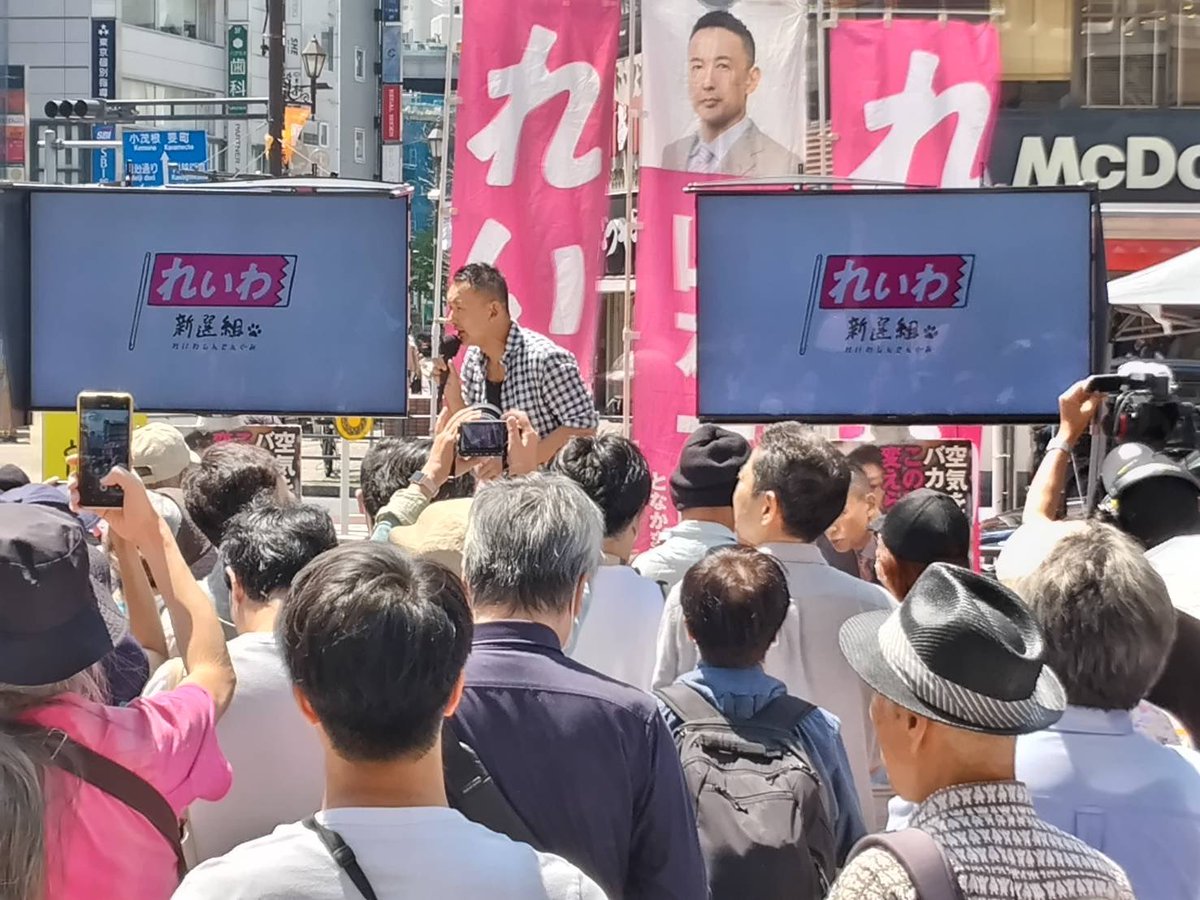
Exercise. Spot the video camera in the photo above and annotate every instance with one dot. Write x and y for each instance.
(1144, 408)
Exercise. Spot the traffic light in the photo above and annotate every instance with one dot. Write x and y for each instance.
(73, 109)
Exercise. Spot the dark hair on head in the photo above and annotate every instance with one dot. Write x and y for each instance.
(734, 601)
(390, 465)
(809, 477)
(865, 455)
(376, 640)
(230, 476)
(484, 278)
(719, 18)
(267, 545)
(1158, 509)
(613, 472)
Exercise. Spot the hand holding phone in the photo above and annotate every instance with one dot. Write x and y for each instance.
(105, 426)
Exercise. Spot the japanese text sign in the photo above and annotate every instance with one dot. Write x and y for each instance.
(913, 102)
(220, 279)
(532, 157)
(931, 306)
(939, 465)
(155, 158)
(104, 59)
(238, 61)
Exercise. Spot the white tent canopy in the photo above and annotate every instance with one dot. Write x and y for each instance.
(1167, 292)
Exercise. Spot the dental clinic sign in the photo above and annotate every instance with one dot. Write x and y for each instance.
(1132, 155)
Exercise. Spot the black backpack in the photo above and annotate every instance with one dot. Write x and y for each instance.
(764, 826)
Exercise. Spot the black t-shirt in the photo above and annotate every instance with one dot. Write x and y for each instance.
(492, 392)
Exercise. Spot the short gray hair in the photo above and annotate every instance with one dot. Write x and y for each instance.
(529, 540)
(1107, 616)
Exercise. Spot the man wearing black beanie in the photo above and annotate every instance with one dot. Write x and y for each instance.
(702, 490)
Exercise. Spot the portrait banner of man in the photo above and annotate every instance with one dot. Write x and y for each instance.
(725, 87)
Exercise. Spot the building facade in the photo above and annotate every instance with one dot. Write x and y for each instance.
(162, 50)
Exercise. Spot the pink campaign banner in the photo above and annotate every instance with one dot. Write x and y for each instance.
(532, 157)
(913, 102)
(664, 386)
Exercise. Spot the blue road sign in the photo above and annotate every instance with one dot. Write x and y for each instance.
(154, 158)
(104, 161)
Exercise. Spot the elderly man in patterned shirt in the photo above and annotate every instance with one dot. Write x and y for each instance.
(511, 367)
(958, 672)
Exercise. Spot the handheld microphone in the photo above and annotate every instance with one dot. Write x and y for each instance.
(447, 350)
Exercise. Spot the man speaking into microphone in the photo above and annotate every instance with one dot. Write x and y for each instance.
(511, 367)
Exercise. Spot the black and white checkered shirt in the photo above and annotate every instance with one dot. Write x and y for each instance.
(540, 378)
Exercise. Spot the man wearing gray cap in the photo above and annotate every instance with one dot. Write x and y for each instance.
(959, 671)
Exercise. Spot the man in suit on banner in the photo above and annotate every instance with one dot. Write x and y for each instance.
(721, 77)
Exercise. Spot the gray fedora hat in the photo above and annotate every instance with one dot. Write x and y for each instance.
(961, 650)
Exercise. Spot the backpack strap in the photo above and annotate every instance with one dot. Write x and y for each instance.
(343, 856)
(123, 785)
(688, 704)
(922, 858)
(783, 713)
(472, 791)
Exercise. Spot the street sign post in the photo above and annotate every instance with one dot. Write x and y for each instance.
(155, 158)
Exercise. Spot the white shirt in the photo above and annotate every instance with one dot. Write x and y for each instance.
(1175, 561)
(278, 764)
(417, 853)
(681, 547)
(806, 655)
(618, 626)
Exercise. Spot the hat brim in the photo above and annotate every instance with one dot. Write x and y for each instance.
(34, 660)
(859, 640)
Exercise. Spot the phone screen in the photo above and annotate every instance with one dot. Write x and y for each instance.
(487, 438)
(104, 433)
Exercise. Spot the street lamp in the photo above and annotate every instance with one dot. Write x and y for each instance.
(313, 56)
(434, 139)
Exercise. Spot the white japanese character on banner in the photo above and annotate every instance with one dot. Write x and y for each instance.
(529, 84)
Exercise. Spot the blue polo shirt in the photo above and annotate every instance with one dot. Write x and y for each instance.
(587, 762)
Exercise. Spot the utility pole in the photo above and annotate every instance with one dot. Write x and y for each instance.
(275, 105)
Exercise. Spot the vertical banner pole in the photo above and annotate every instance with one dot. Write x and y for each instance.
(630, 225)
(435, 333)
(822, 87)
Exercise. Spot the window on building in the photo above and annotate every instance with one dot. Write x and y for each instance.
(323, 134)
(360, 64)
(147, 90)
(360, 145)
(1140, 53)
(196, 19)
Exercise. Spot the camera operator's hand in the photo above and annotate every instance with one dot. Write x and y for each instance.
(1076, 409)
(443, 454)
(522, 443)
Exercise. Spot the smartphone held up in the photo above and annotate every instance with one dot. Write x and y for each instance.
(105, 429)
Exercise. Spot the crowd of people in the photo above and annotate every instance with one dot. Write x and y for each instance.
(794, 693)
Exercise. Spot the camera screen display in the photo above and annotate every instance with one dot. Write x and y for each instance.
(483, 439)
(104, 444)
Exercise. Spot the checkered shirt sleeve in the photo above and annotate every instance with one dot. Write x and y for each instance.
(565, 394)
